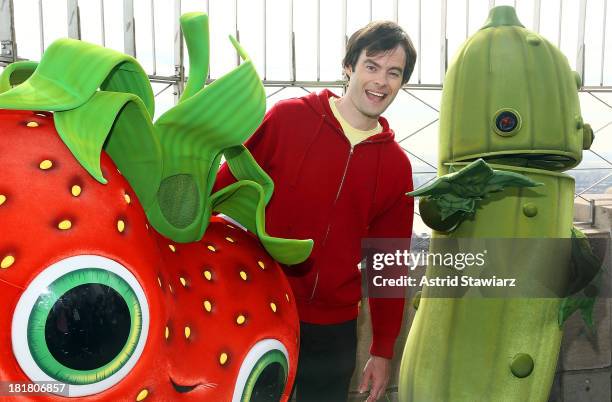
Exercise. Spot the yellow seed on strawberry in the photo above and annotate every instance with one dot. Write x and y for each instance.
(167, 333)
(32, 124)
(273, 307)
(187, 332)
(183, 281)
(7, 261)
(208, 275)
(46, 164)
(127, 198)
(287, 296)
(243, 275)
(223, 358)
(159, 281)
(2, 199)
(64, 225)
(142, 395)
(120, 226)
(211, 248)
(207, 306)
(240, 319)
(172, 248)
(229, 239)
(75, 190)
(261, 265)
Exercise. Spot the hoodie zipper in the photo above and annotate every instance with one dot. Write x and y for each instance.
(348, 160)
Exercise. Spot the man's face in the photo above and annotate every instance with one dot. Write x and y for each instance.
(375, 81)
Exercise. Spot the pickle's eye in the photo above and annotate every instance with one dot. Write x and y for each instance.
(263, 374)
(82, 321)
(507, 122)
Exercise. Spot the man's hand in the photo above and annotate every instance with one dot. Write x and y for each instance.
(377, 371)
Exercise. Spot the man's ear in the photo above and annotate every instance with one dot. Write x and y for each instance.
(348, 70)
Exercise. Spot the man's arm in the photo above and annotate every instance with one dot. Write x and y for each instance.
(386, 314)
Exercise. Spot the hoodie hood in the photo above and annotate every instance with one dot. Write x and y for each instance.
(319, 103)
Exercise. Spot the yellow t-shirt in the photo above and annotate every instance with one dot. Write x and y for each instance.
(354, 135)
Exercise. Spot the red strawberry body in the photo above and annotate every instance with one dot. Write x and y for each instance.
(52, 210)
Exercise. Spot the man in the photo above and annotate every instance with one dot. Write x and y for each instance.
(339, 177)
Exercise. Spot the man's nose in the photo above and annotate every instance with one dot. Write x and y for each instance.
(381, 79)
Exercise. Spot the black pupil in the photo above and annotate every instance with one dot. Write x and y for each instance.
(270, 384)
(87, 326)
(506, 122)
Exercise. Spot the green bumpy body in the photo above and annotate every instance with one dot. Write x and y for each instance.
(463, 349)
(501, 349)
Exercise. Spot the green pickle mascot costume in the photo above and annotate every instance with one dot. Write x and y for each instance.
(510, 124)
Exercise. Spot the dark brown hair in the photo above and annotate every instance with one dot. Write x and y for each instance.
(376, 37)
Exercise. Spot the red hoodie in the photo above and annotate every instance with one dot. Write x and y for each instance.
(336, 195)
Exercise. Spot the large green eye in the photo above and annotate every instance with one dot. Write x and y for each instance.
(263, 374)
(85, 321)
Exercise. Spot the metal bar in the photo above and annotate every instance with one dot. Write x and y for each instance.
(265, 40)
(537, 8)
(344, 24)
(275, 92)
(420, 100)
(41, 28)
(370, 10)
(74, 22)
(236, 30)
(589, 169)
(208, 13)
(603, 158)
(163, 90)
(419, 130)
(102, 23)
(602, 127)
(288, 84)
(419, 158)
(581, 30)
(318, 40)
(179, 68)
(594, 184)
(153, 42)
(129, 34)
(292, 42)
(560, 23)
(603, 42)
(8, 45)
(396, 11)
(419, 44)
(605, 88)
(601, 100)
(293, 73)
(467, 18)
(443, 40)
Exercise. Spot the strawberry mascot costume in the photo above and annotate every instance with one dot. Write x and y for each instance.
(114, 278)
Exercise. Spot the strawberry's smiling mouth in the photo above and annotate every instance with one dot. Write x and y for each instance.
(182, 389)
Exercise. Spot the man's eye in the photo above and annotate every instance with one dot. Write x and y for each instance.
(370, 67)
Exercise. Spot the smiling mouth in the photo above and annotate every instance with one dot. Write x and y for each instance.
(376, 96)
(182, 389)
